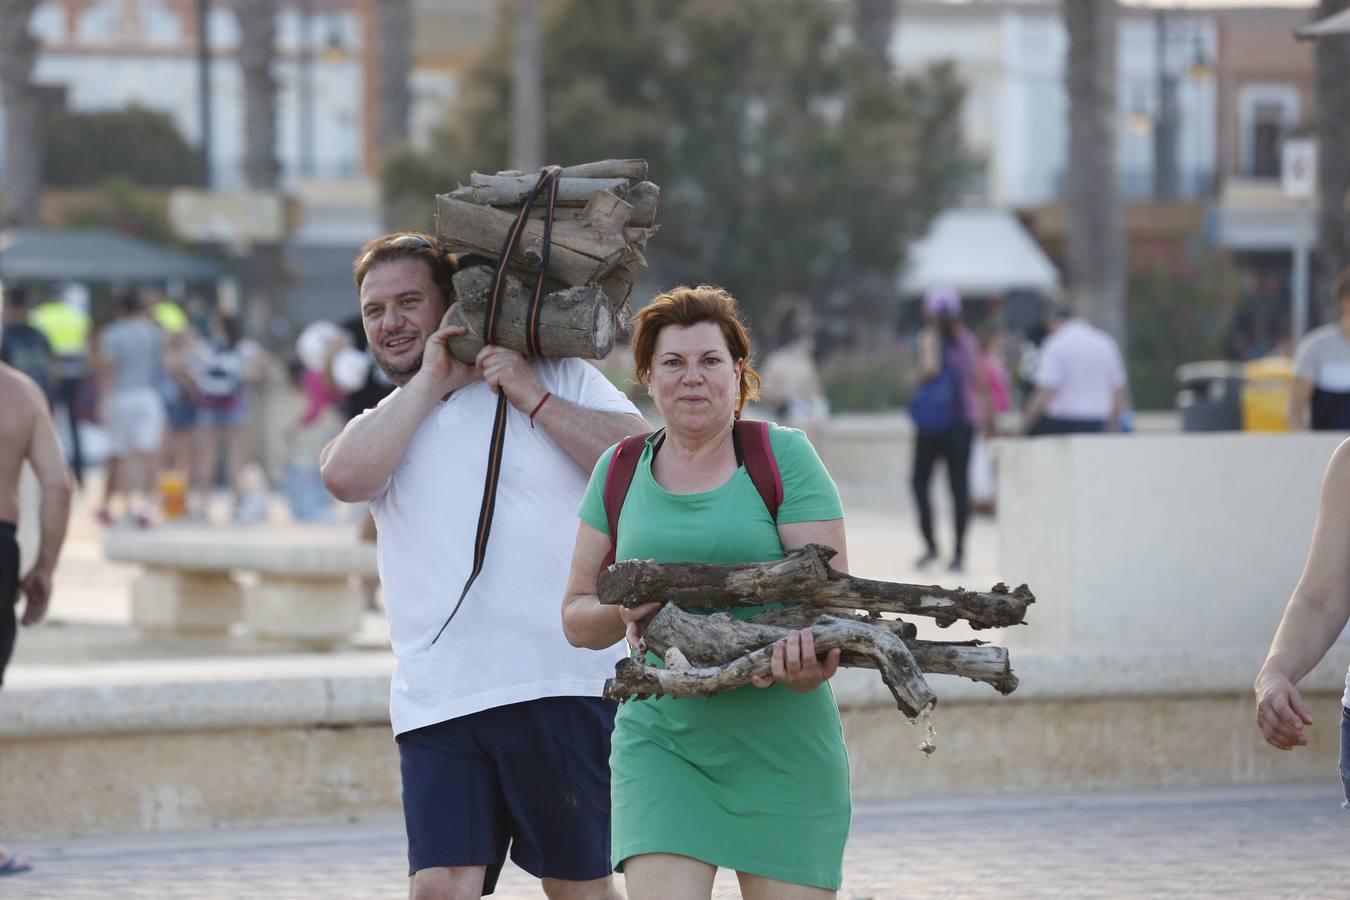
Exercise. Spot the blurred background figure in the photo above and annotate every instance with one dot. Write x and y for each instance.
(67, 325)
(950, 404)
(316, 350)
(221, 369)
(1079, 382)
(23, 346)
(992, 340)
(128, 358)
(791, 384)
(1319, 397)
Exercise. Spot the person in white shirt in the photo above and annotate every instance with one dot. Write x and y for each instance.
(502, 735)
(1319, 397)
(1079, 380)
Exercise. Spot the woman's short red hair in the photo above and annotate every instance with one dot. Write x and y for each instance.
(692, 306)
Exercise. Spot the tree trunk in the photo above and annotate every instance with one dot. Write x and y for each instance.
(1333, 155)
(803, 577)
(23, 165)
(262, 170)
(874, 30)
(578, 321)
(527, 87)
(1096, 243)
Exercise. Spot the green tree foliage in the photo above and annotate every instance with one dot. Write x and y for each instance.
(1176, 317)
(787, 161)
(83, 149)
(123, 206)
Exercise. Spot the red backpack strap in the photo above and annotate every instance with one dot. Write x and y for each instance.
(622, 466)
(760, 463)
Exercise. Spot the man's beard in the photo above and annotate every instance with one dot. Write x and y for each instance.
(398, 374)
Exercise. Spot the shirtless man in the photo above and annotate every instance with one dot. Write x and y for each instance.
(27, 434)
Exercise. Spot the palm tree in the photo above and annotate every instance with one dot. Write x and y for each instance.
(1096, 244)
(23, 172)
(527, 87)
(395, 60)
(874, 28)
(262, 171)
(1333, 155)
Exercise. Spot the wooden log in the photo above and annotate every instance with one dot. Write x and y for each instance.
(645, 198)
(468, 228)
(577, 321)
(714, 586)
(507, 190)
(717, 639)
(806, 616)
(632, 169)
(807, 580)
(887, 652)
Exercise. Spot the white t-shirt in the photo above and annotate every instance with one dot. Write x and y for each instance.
(1323, 359)
(506, 643)
(1082, 365)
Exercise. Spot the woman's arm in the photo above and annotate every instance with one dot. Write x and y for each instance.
(930, 354)
(1315, 615)
(586, 621)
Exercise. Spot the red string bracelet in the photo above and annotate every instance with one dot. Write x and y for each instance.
(542, 401)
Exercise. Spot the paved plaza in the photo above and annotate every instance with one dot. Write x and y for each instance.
(1254, 844)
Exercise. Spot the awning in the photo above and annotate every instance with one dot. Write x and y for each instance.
(94, 254)
(1337, 23)
(978, 251)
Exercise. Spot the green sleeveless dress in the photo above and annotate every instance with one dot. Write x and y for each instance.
(754, 779)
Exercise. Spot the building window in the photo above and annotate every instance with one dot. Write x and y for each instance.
(1266, 113)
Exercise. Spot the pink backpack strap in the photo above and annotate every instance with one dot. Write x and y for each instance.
(760, 463)
(622, 466)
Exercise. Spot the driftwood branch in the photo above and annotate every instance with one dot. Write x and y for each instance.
(717, 639)
(804, 576)
(707, 642)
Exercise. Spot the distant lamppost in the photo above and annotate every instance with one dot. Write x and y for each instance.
(305, 88)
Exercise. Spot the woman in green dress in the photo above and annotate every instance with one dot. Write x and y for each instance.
(754, 779)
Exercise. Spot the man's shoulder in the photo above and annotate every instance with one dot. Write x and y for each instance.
(1328, 335)
(18, 390)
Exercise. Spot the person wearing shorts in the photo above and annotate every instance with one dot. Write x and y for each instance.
(27, 435)
(129, 359)
(502, 736)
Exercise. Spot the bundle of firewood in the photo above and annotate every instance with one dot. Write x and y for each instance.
(708, 654)
(604, 214)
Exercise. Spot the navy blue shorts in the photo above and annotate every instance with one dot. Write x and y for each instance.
(534, 776)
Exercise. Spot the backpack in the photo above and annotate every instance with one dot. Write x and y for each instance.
(937, 402)
(752, 439)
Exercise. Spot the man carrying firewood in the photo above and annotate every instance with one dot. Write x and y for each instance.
(502, 735)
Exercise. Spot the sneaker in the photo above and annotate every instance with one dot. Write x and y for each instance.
(924, 560)
(956, 565)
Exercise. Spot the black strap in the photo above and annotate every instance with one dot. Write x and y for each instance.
(548, 180)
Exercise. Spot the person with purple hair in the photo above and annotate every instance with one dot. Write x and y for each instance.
(951, 402)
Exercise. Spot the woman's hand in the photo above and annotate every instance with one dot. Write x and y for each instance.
(1281, 714)
(795, 663)
(636, 619)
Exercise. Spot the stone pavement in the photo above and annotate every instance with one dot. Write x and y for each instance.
(1266, 843)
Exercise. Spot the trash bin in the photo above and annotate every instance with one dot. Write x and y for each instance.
(1265, 394)
(1210, 396)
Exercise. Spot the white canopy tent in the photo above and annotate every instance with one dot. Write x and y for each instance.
(978, 252)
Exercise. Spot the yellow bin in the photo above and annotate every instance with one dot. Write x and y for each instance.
(1265, 394)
